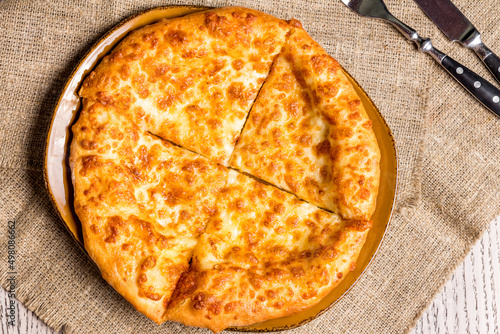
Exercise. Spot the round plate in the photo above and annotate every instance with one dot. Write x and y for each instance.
(58, 179)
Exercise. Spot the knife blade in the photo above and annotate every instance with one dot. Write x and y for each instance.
(458, 28)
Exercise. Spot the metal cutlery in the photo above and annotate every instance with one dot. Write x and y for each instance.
(480, 88)
(458, 28)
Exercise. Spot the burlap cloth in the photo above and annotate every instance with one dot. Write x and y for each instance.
(449, 159)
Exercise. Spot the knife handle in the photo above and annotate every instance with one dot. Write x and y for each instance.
(480, 88)
(490, 59)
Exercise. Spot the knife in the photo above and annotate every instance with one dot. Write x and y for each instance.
(457, 27)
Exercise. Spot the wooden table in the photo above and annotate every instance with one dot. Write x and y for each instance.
(468, 303)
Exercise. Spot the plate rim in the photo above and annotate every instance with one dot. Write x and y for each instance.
(101, 39)
(70, 77)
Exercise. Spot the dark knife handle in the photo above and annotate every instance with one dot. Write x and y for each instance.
(480, 88)
(491, 61)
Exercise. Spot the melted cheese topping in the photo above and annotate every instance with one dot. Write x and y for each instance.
(191, 80)
(142, 203)
(260, 238)
(308, 133)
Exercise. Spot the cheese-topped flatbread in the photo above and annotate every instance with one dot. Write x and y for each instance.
(142, 203)
(193, 79)
(308, 132)
(265, 254)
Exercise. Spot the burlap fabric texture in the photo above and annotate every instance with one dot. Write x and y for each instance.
(449, 158)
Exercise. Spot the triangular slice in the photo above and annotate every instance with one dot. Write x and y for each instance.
(193, 79)
(308, 132)
(142, 203)
(265, 254)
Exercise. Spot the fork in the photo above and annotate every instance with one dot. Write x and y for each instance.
(477, 86)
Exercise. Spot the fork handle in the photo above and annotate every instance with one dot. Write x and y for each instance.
(477, 86)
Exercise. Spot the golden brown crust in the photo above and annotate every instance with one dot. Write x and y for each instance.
(260, 238)
(193, 79)
(308, 132)
(142, 203)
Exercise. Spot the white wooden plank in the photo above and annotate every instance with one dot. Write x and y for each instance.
(26, 321)
(495, 274)
(3, 300)
(470, 301)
